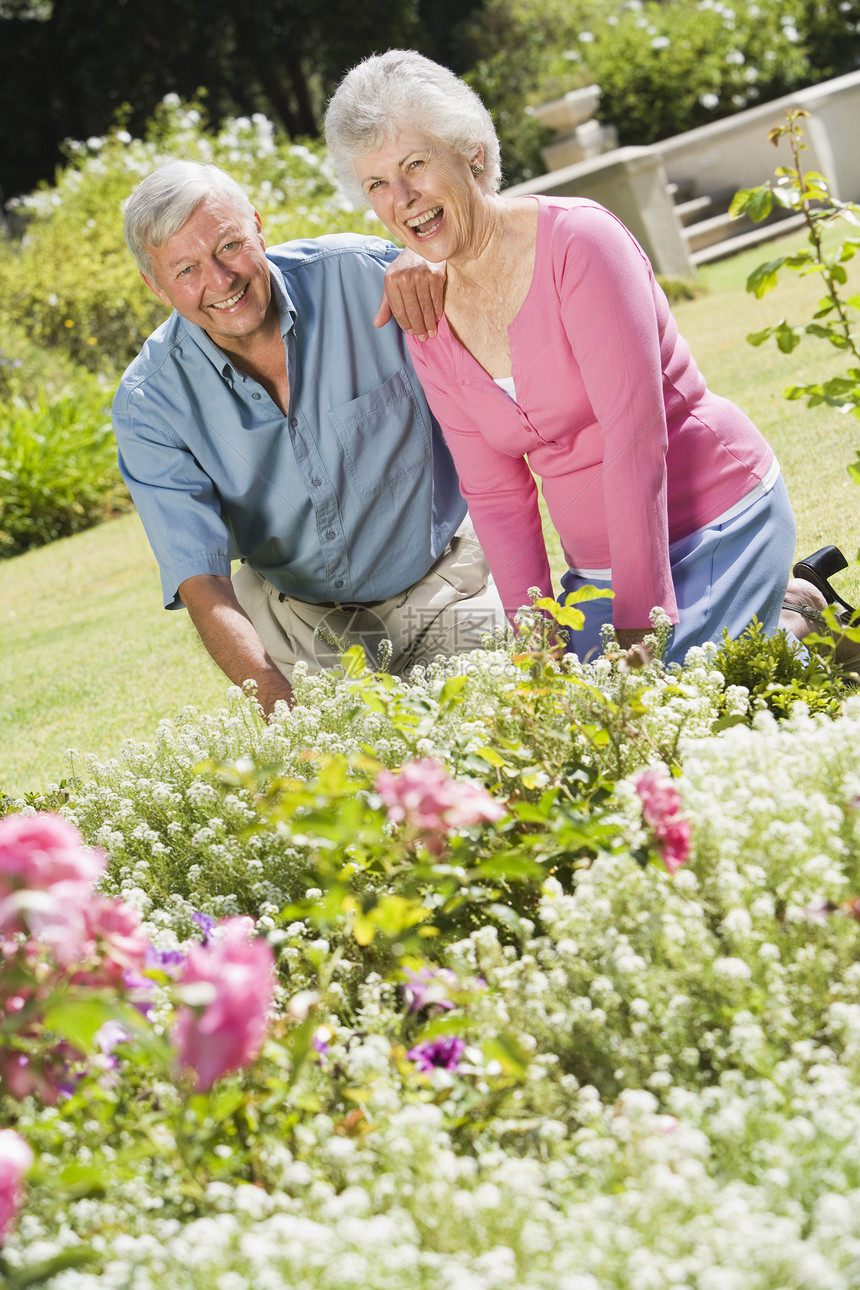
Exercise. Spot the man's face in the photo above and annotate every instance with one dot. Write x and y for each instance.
(214, 272)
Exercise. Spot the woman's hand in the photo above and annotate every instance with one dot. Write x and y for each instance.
(414, 295)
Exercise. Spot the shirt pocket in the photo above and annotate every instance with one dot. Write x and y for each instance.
(385, 435)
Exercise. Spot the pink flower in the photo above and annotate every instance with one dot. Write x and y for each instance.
(423, 796)
(661, 811)
(15, 1159)
(42, 851)
(438, 1054)
(46, 880)
(223, 1028)
(45, 1075)
(114, 939)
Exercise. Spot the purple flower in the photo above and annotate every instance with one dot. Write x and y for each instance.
(443, 1053)
(205, 922)
(109, 1035)
(427, 987)
(321, 1040)
(169, 961)
(138, 991)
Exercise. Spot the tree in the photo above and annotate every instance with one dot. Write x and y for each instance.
(64, 74)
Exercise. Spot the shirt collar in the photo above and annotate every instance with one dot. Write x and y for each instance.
(286, 309)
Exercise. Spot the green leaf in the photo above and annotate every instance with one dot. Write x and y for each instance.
(588, 593)
(760, 204)
(854, 469)
(787, 197)
(739, 203)
(787, 338)
(452, 691)
(354, 661)
(505, 1050)
(514, 866)
(38, 1273)
(759, 337)
(765, 277)
(227, 1100)
(79, 1020)
(564, 616)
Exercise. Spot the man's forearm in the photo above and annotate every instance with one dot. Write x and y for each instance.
(231, 638)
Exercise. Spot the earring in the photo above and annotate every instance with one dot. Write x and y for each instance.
(477, 170)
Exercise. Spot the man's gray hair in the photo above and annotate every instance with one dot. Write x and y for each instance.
(164, 201)
(400, 89)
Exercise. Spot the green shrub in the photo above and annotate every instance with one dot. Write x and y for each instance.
(776, 674)
(58, 467)
(29, 370)
(667, 68)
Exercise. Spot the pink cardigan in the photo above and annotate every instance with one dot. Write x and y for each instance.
(632, 449)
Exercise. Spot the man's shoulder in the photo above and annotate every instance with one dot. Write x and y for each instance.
(156, 353)
(333, 251)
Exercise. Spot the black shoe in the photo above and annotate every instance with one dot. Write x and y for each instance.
(820, 566)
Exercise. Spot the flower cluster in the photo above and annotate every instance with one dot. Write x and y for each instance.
(227, 985)
(15, 1159)
(661, 811)
(423, 796)
(57, 933)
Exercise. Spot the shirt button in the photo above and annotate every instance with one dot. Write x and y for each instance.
(294, 421)
(331, 535)
(338, 582)
(256, 395)
(316, 481)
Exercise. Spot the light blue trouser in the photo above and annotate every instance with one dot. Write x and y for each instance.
(724, 575)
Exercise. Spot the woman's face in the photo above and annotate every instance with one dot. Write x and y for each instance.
(424, 193)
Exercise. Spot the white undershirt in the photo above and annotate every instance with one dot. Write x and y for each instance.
(507, 384)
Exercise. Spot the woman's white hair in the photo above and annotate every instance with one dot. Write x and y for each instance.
(164, 201)
(389, 92)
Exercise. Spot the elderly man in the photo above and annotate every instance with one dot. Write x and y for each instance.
(267, 419)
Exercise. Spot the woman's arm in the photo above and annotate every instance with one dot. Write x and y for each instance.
(499, 489)
(610, 315)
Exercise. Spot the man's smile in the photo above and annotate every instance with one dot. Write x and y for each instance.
(232, 300)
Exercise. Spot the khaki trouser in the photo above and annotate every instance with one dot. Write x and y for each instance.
(447, 612)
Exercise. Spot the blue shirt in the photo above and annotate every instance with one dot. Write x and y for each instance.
(352, 496)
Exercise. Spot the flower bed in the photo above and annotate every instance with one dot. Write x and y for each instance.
(566, 991)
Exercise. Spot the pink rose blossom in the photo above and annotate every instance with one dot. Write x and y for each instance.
(15, 1159)
(41, 851)
(46, 880)
(423, 796)
(661, 811)
(225, 1030)
(114, 939)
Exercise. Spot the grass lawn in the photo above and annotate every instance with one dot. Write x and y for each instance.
(89, 658)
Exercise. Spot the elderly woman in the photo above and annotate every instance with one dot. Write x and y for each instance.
(557, 357)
